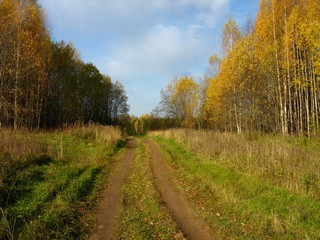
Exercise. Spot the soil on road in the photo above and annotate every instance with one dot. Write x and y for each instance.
(111, 202)
(110, 206)
(182, 213)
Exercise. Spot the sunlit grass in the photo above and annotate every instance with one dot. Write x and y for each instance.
(292, 163)
(48, 190)
(238, 205)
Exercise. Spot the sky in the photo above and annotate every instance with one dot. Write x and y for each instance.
(145, 43)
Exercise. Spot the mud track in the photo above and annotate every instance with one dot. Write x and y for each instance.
(111, 202)
(182, 213)
(192, 228)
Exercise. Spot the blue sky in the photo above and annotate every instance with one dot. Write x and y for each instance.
(145, 43)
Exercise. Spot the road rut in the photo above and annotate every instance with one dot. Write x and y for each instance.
(182, 213)
(111, 202)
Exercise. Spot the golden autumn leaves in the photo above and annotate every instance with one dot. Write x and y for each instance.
(268, 77)
(180, 100)
(24, 42)
(45, 83)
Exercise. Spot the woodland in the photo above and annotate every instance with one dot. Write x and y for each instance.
(266, 78)
(45, 84)
(237, 151)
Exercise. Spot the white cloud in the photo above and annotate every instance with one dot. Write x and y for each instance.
(207, 11)
(140, 42)
(167, 49)
(111, 14)
(119, 69)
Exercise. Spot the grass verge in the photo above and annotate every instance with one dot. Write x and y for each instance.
(237, 205)
(50, 194)
(143, 216)
(288, 162)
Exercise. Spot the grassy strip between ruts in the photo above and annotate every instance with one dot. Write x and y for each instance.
(52, 197)
(239, 206)
(143, 216)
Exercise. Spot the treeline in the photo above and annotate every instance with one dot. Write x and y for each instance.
(45, 84)
(266, 79)
(147, 122)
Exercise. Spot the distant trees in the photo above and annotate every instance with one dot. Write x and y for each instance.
(268, 77)
(179, 100)
(46, 84)
(118, 101)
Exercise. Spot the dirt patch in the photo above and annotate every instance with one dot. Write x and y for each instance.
(182, 213)
(111, 203)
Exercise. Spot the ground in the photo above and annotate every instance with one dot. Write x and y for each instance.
(176, 205)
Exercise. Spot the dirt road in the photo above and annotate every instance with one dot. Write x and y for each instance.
(191, 227)
(111, 202)
(182, 213)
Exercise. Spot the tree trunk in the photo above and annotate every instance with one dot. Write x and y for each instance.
(16, 90)
(280, 100)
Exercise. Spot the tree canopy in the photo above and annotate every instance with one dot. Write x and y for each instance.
(267, 78)
(45, 83)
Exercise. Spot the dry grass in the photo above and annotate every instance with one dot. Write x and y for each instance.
(292, 163)
(49, 181)
(107, 135)
(19, 146)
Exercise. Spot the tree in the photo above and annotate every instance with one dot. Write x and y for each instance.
(119, 105)
(64, 101)
(213, 66)
(272, 70)
(43, 83)
(24, 50)
(180, 100)
(284, 29)
(231, 34)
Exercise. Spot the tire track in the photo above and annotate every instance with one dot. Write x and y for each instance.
(182, 213)
(111, 203)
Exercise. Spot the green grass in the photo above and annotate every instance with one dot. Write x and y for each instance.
(288, 162)
(237, 205)
(52, 196)
(143, 215)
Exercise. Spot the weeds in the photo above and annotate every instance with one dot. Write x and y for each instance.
(49, 181)
(292, 163)
(237, 205)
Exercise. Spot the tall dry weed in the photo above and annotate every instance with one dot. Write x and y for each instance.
(108, 135)
(20, 144)
(16, 147)
(290, 162)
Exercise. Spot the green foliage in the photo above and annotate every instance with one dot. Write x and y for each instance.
(52, 196)
(79, 92)
(238, 205)
(291, 163)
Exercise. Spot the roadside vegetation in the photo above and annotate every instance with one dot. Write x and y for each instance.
(143, 215)
(247, 186)
(49, 182)
(291, 163)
